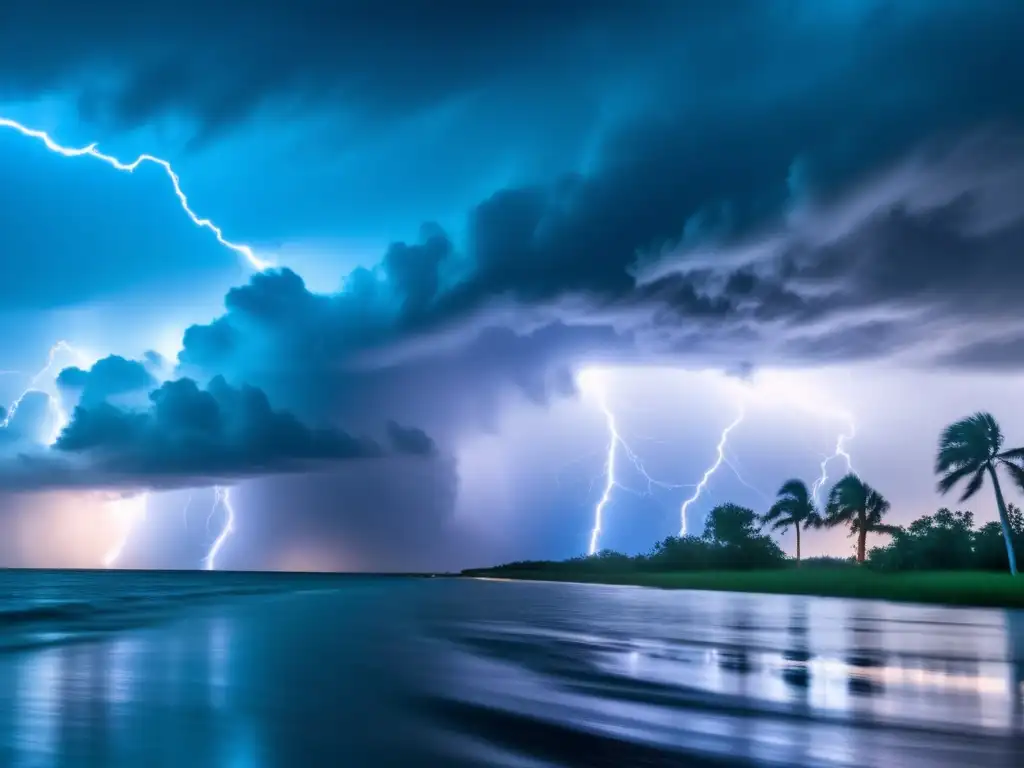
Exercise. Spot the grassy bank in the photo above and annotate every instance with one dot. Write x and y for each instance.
(963, 588)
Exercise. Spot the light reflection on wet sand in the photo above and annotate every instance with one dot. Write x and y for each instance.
(461, 672)
(789, 680)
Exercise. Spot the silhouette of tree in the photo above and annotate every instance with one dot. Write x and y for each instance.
(794, 508)
(854, 503)
(733, 540)
(971, 448)
(731, 525)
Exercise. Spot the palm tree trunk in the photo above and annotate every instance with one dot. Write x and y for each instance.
(797, 526)
(862, 537)
(1004, 521)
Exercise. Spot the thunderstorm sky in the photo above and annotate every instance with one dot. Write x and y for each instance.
(810, 209)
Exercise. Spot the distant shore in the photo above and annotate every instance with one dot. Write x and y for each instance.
(961, 588)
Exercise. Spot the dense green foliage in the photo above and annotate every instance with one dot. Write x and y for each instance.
(731, 540)
(948, 541)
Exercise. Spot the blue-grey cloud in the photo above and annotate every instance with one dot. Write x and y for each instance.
(838, 280)
(410, 441)
(188, 436)
(107, 378)
(382, 62)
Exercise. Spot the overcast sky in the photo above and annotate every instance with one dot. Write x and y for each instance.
(810, 210)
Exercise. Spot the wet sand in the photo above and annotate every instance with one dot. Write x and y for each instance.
(463, 672)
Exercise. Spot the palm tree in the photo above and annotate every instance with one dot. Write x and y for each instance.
(854, 503)
(971, 448)
(794, 507)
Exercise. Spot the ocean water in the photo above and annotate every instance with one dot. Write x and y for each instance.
(253, 670)
(39, 608)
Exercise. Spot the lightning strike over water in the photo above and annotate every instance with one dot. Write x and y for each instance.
(131, 510)
(719, 460)
(60, 416)
(221, 496)
(91, 150)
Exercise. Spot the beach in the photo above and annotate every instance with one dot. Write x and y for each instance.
(263, 670)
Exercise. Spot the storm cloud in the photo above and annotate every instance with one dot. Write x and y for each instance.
(727, 185)
(188, 436)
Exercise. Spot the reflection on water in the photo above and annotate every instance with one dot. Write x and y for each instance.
(762, 678)
(458, 673)
(120, 701)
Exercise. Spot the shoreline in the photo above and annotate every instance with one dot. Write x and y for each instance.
(964, 589)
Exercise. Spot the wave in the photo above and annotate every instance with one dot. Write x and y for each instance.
(28, 624)
(79, 611)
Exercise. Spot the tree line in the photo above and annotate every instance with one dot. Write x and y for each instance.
(970, 452)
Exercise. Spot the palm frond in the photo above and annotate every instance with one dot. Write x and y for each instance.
(892, 530)
(968, 441)
(845, 501)
(876, 506)
(947, 482)
(973, 486)
(795, 489)
(814, 520)
(1016, 472)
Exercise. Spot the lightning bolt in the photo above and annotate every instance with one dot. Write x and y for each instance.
(589, 380)
(719, 460)
(57, 412)
(839, 453)
(609, 475)
(92, 150)
(128, 509)
(246, 252)
(184, 511)
(784, 389)
(221, 496)
(131, 510)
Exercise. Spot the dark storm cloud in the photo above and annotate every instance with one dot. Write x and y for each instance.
(924, 251)
(191, 436)
(770, 183)
(410, 440)
(218, 62)
(1004, 353)
(356, 355)
(107, 378)
(879, 270)
(750, 112)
